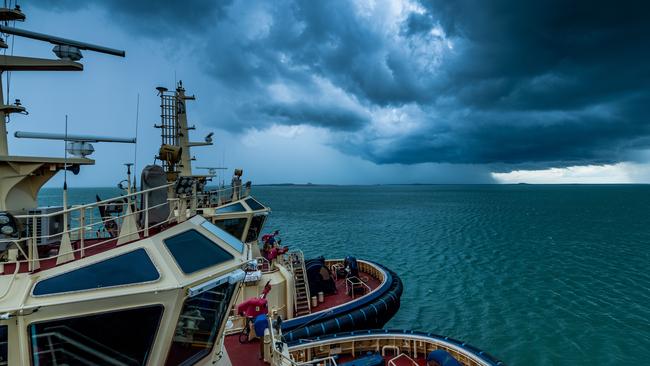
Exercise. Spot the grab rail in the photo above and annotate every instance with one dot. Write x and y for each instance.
(279, 352)
(221, 196)
(317, 361)
(83, 223)
(350, 285)
(291, 259)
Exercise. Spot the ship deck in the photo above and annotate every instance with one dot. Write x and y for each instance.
(341, 297)
(250, 353)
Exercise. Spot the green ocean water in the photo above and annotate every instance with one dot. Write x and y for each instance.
(534, 274)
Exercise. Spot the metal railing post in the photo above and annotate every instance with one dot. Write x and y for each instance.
(34, 241)
(82, 230)
(146, 215)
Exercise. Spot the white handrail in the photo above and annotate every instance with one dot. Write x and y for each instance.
(317, 360)
(86, 224)
(95, 204)
(136, 205)
(350, 285)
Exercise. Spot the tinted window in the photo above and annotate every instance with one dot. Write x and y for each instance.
(237, 207)
(254, 205)
(198, 325)
(234, 227)
(132, 267)
(4, 342)
(255, 228)
(194, 252)
(115, 338)
(233, 241)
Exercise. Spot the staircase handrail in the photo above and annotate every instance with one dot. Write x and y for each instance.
(298, 254)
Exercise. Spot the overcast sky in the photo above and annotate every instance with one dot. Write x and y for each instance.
(356, 92)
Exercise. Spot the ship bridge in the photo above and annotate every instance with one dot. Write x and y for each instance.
(163, 299)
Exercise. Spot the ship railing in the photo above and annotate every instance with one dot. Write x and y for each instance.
(288, 263)
(281, 353)
(222, 195)
(85, 229)
(352, 283)
(412, 343)
(264, 265)
(327, 361)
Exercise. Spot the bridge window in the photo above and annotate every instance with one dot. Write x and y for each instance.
(4, 345)
(234, 227)
(224, 235)
(254, 205)
(116, 338)
(194, 252)
(255, 228)
(199, 323)
(237, 207)
(129, 268)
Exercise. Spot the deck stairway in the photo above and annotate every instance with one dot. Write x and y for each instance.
(301, 290)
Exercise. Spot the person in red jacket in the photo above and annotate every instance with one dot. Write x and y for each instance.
(254, 307)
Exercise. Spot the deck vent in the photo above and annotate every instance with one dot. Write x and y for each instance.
(47, 227)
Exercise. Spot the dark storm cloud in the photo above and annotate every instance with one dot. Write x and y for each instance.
(159, 18)
(313, 114)
(506, 83)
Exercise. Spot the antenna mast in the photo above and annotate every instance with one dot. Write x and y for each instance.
(175, 145)
(135, 153)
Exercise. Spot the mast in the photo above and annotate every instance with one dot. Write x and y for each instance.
(4, 149)
(175, 146)
(184, 136)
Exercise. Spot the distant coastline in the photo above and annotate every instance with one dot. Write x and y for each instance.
(391, 184)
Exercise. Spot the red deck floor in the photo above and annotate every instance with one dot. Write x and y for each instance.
(340, 297)
(247, 354)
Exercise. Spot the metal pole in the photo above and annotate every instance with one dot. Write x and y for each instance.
(82, 223)
(65, 178)
(146, 215)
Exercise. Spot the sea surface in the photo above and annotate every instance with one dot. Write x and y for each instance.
(534, 274)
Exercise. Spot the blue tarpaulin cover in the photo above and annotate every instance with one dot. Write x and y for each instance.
(443, 358)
